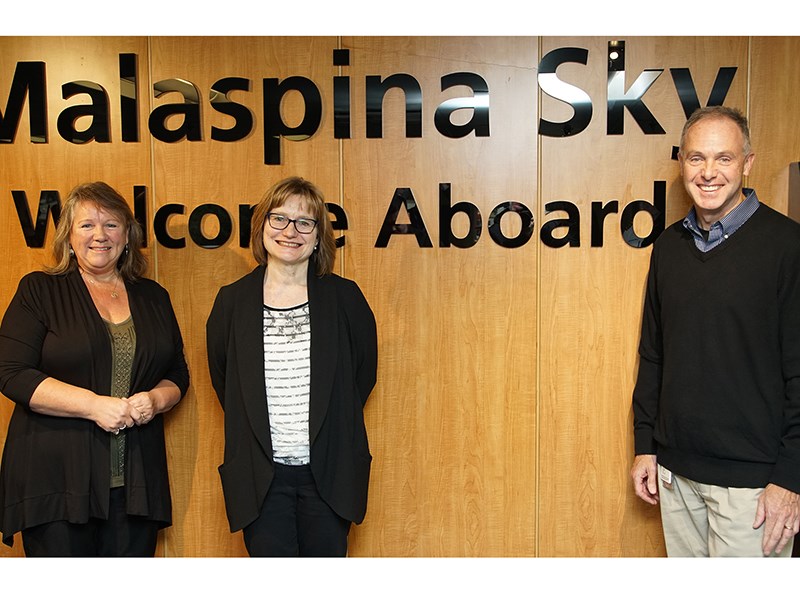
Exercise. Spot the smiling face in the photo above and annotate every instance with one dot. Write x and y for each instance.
(287, 246)
(97, 237)
(713, 165)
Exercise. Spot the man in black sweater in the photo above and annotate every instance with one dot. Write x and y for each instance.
(717, 398)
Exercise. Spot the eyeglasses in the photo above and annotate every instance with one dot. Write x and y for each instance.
(281, 222)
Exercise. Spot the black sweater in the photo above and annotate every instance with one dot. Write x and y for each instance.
(718, 392)
(57, 468)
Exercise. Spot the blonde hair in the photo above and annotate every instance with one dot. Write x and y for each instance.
(131, 264)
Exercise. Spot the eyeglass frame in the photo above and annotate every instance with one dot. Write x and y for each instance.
(291, 221)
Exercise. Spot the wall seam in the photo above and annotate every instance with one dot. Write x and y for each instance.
(343, 262)
(152, 197)
(538, 317)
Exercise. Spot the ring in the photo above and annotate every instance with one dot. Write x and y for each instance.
(788, 527)
(123, 427)
(116, 432)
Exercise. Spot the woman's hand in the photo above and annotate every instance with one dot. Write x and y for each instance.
(112, 414)
(142, 407)
(146, 405)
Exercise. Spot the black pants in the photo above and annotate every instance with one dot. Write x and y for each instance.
(119, 535)
(295, 520)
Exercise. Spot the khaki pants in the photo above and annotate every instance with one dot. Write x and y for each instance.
(709, 520)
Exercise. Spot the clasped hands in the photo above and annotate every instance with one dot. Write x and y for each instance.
(121, 413)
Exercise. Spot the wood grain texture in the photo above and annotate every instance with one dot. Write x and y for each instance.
(501, 421)
(226, 174)
(591, 298)
(59, 165)
(451, 421)
(774, 102)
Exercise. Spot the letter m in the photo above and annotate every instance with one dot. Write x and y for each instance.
(49, 201)
(29, 80)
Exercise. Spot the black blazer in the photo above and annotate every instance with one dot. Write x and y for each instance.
(343, 371)
(58, 468)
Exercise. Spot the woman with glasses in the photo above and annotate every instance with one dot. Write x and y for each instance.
(292, 352)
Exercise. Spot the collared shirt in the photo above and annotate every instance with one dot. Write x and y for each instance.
(726, 226)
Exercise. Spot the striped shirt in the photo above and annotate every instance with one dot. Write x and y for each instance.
(287, 372)
(725, 227)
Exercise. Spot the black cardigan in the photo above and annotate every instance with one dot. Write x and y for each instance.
(343, 373)
(57, 468)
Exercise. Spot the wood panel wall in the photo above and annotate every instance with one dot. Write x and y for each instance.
(501, 422)
(452, 421)
(592, 297)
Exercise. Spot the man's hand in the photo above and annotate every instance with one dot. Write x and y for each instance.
(644, 476)
(779, 511)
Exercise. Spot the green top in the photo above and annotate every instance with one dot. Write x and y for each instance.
(123, 345)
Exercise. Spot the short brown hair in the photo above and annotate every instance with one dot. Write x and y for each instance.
(719, 112)
(275, 197)
(131, 264)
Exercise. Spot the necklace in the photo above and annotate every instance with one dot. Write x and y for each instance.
(287, 322)
(114, 293)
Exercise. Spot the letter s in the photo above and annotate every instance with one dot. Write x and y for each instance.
(551, 85)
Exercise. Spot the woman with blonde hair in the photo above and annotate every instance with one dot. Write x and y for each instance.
(91, 353)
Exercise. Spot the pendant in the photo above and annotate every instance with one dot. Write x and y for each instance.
(114, 295)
